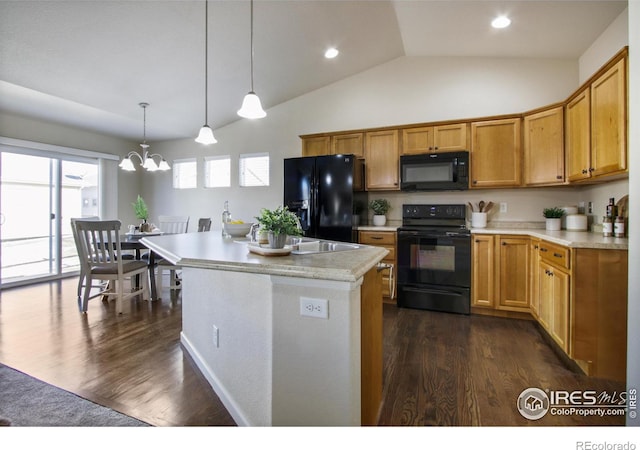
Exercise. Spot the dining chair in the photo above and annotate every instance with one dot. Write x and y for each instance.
(204, 224)
(101, 258)
(103, 285)
(170, 225)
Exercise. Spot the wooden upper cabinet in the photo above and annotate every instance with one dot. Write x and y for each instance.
(544, 147)
(596, 127)
(578, 136)
(382, 160)
(441, 138)
(348, 144)
(496, 153)
(609, 121)
(316, 146)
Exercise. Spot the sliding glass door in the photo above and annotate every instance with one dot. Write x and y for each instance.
(38, 196)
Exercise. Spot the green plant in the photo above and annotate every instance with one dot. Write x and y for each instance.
(279, 221)
(380, 206)
(553, 213)
(140, 208)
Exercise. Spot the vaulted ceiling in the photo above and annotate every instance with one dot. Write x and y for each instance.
(89, 63)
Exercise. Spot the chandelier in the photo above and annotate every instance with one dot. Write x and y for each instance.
(146, 159)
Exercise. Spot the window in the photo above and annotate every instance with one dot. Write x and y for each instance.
(185, 173)
(217, 171)
(254, 169)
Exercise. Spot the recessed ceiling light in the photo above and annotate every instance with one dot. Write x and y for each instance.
(501, 22)
(331, 53)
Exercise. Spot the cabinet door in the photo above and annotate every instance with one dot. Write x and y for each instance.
(348, 144)
(545, 307)
(382, 160)
(417, 140)
(496, 153)
(534, 277)
(544, 147)
(483, 271)
(514, 273)
(450, 138)
(578, 136)
(316, 146)
(560, 322)
(608, 121)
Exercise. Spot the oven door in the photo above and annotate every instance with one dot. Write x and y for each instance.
(434, 257)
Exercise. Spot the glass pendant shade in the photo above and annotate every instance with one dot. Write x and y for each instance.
(127, 165)
(251, 107)
(164, 165)
(150, 165)
(206, 136)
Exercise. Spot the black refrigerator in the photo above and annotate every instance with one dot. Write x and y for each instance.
(327, 194)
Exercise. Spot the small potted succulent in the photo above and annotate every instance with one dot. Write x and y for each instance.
(380, 207)
(553, 216)
(142, 213)
(278, 223)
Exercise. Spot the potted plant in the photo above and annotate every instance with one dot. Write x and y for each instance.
(279, 223)
(553, 216)
(142, 213)
(380, 207)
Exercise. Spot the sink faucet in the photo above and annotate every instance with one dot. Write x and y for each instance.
(253, 232)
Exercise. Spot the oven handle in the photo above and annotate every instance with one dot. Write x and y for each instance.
(429, 235)
(434, 291)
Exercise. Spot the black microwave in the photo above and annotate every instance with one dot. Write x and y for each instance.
(435, 172)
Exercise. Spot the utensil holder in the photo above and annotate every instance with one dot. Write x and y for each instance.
(478, 220)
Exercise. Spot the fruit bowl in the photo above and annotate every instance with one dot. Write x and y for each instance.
(238, 229)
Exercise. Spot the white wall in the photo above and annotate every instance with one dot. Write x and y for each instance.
(405, 90)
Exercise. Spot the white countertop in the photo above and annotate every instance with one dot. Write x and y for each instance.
(210, 251)
(573, 239)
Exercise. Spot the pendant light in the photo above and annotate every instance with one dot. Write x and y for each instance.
(146, 159)
(251, 106)
(206, 133)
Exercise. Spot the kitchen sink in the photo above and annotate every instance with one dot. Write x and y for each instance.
(304, 246)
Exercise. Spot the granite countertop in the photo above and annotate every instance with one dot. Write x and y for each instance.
(573, 239)
(212, 251)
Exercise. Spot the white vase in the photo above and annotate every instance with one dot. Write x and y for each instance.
(553, 224)
(379, 220)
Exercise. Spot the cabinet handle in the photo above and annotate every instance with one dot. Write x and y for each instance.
(436, 148)
(585, 171)
(542, 249)
(557, 255)
(591, 169)
(559, 177)
(377, 238)
(536, 247)
(475, 181)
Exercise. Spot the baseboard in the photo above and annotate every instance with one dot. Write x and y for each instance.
(226, 399)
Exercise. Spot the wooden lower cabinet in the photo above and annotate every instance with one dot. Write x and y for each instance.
(554, 303)
(500, 275)
(386, 239)
(599, 312)
(371, 348)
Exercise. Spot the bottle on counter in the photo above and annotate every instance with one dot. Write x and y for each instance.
(612, 209)
(607, 226)
(226, 218)
(618, 227)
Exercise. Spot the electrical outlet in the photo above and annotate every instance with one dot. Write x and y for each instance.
(590, 207)
(216, 336)
(314, 307)
(503, 207)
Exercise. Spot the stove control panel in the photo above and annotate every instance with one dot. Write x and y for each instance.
(434, 212)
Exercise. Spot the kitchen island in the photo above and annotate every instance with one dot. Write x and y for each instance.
(248, 326)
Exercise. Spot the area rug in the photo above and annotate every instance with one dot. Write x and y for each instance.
(26, 401)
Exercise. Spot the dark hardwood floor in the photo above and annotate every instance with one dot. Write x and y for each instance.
(440, 369)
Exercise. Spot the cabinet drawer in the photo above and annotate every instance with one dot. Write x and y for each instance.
(391, 256)
(378, 238)
(555, 254)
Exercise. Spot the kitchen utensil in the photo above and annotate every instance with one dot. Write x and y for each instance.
(471, 206)
(488, 207)
(481, 205)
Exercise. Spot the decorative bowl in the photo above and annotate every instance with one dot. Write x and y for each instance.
(238, 229)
